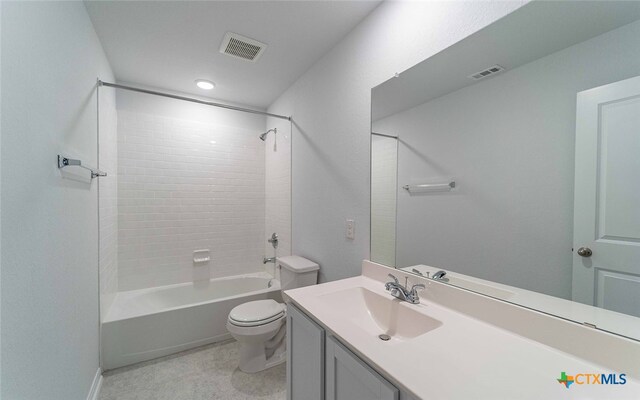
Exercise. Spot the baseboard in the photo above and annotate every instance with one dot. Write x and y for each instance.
(94, 392)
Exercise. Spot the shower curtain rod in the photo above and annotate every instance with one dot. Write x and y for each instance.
(207, 103)
(384, 134)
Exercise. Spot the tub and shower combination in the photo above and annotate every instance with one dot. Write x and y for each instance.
(194, 189)
(148, 323)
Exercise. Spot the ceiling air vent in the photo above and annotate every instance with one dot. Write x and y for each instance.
(242, 47)
(487, 72)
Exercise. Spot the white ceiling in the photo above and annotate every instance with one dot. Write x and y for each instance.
(531, 32)
(169, 44)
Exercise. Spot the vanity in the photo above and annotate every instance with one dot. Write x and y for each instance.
(455, 344)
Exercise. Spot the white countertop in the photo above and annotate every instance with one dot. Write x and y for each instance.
(464, 358)
(611, 321)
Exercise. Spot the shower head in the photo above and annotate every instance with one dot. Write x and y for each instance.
(263, 137)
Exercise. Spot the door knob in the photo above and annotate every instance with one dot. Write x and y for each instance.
(585, 252)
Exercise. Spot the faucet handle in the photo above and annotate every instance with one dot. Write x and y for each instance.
(273, 240)
(413, 297)
(417, 286)
(394, 279)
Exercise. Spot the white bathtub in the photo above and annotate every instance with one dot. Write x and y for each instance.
(148, 323)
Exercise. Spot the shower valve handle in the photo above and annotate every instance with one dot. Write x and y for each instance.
(273, 240)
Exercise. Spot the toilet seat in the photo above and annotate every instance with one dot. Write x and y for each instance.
(256, 313)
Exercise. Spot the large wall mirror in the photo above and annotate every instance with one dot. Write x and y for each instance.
(511, 161)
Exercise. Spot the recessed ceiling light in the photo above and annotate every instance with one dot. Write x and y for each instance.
(204, 84)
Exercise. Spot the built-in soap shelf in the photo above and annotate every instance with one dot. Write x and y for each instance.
(201, 256)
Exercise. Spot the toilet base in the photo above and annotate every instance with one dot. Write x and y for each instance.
(253, 366)
(253, 356)
(262, 346)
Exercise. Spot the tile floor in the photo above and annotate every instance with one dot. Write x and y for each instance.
(206, 373)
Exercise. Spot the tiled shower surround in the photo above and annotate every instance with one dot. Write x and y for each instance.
(185, 186)
(278, 186)
(108, 200)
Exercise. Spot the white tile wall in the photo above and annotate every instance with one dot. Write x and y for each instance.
(185, 185)
(108, 199)
(277, 150)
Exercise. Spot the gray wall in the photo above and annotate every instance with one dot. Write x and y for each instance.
(0, 204)
(330, 105)
(509, 142)
(51, 58)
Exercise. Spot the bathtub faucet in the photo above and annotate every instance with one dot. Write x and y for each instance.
(269, 260)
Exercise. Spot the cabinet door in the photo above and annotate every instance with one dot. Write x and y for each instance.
(305, 357)
(349, 378)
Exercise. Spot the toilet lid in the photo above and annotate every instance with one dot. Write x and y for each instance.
(256, 312)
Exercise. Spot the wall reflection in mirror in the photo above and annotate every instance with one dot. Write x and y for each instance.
(384, 181)
(537, 117)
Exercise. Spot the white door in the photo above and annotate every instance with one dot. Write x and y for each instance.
(607, 198)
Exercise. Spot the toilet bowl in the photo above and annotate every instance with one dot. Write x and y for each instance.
(260, 326)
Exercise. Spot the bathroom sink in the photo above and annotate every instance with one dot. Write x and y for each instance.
(377, 314)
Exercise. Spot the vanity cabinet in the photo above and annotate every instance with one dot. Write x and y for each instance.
(349, 378)
(305, 357)
(319, 367)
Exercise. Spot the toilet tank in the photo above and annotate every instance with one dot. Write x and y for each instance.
(296, 271)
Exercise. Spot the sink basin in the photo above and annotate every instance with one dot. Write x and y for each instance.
(378, 314)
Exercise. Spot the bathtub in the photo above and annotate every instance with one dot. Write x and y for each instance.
(148, 323)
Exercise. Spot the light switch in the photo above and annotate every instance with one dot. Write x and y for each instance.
(351, 229)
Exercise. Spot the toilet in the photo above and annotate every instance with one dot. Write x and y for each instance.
(260, 326)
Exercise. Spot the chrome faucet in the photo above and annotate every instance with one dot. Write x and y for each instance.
(417, 272)
(439, 276)
(402, 292)
(268, 260)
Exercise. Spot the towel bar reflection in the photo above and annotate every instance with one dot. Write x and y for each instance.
(68, 162)
(430, 187)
